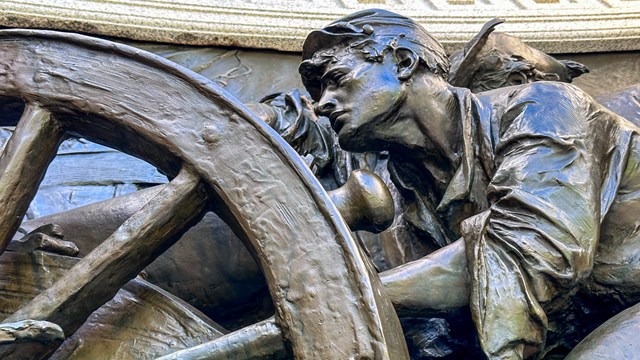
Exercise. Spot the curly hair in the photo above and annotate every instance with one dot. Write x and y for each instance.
(372, 34)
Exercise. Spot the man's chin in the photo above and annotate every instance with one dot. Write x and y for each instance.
(349, 141)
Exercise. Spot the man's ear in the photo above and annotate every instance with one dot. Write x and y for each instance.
(407, 62)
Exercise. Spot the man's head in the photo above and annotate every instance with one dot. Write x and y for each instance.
(358, 69)
(492, 60)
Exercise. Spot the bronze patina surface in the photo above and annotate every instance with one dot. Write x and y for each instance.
(523, 187)
(517, 205)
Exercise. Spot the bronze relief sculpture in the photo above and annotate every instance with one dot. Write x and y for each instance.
(532, 179)
(526, 193)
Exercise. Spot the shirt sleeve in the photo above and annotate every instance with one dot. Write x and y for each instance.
(538, 237)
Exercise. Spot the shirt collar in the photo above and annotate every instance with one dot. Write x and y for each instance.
(460, 185)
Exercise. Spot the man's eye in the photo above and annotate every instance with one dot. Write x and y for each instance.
(336, 79)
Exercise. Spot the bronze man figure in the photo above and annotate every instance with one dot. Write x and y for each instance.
(539, 182)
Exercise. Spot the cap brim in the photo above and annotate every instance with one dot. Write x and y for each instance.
(463, 72)
(321, 39)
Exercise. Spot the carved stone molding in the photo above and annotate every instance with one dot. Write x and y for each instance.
(553, 26)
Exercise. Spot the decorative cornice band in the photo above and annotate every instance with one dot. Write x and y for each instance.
(555, 26)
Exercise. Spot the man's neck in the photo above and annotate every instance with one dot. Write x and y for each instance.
(434, 119)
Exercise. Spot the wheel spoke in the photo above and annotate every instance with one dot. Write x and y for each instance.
(22, 166)
(134, 245)
(256, 341)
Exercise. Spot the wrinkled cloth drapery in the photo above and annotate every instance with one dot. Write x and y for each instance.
(542, 197)
(542, 166)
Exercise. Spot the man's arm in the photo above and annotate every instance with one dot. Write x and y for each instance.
(433, 285)
(533, 244)
(538, 238)
(292, 116)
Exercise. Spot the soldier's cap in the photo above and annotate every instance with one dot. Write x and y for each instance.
(379, 25)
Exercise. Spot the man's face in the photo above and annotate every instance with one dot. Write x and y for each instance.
(361, 98)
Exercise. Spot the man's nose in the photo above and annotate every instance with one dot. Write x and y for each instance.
(325, 105)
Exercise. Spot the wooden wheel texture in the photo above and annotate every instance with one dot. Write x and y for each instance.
(329, 303)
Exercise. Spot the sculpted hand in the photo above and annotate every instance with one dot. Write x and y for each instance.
(46, 238)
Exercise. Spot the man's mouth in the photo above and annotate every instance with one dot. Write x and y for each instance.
(338, 119)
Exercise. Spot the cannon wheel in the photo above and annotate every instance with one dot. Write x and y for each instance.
(328, 300)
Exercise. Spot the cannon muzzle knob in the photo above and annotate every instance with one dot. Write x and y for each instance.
(364, 202)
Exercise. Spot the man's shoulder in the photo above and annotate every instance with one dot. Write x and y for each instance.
(543, 92)
(540, 108)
